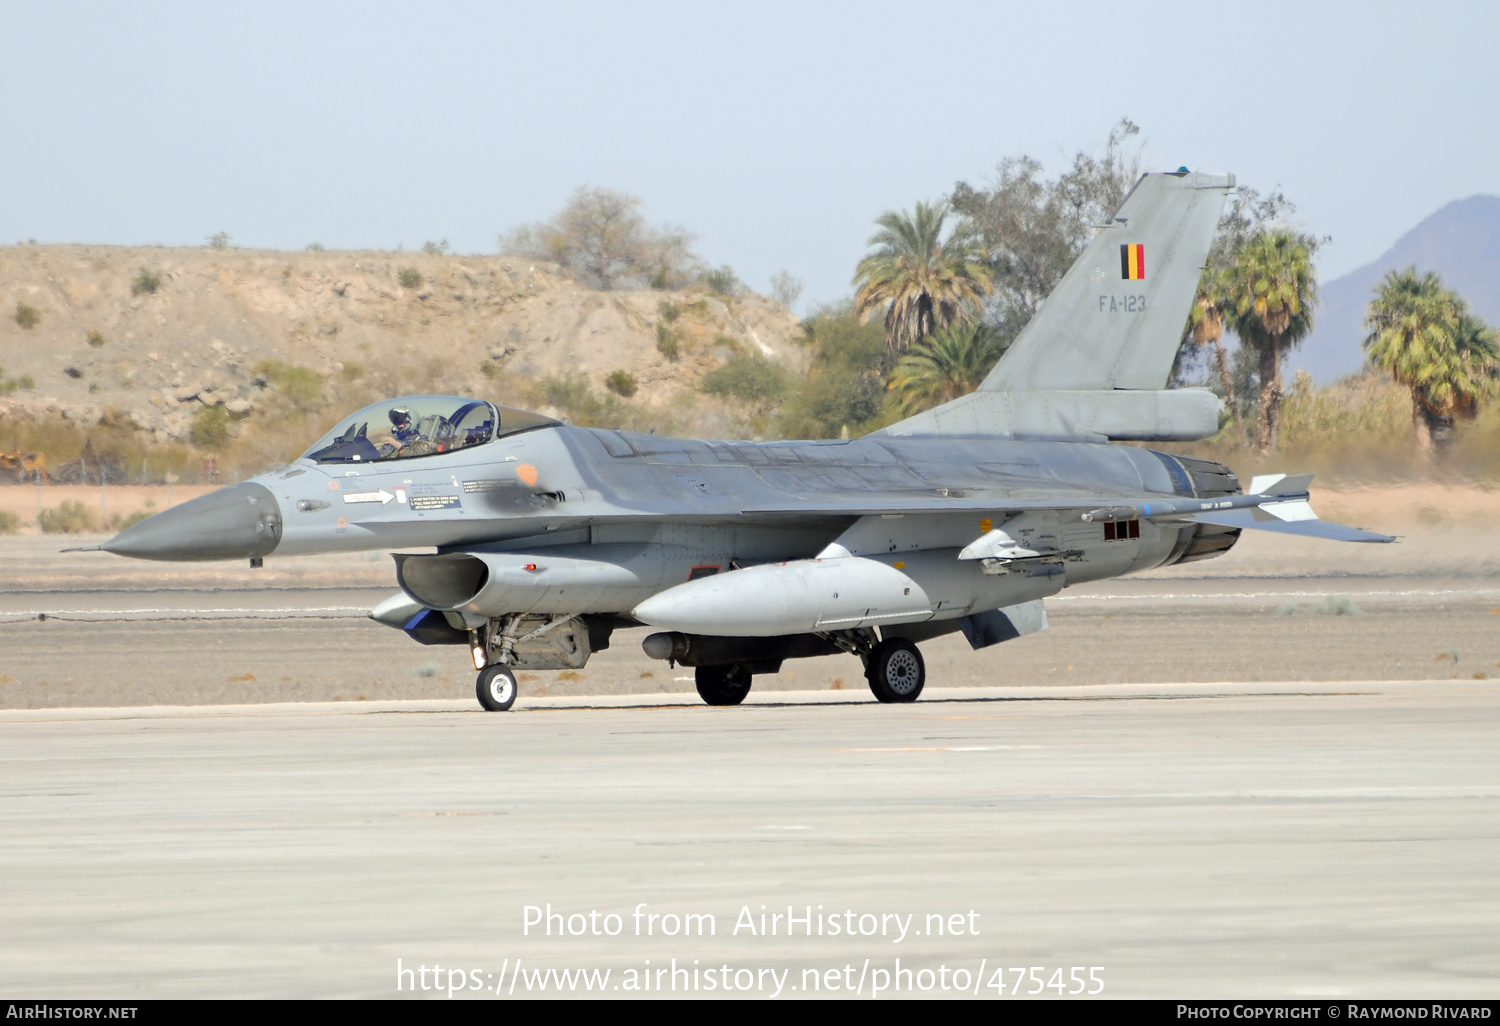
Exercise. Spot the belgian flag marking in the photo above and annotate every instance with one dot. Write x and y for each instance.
(1133, 262)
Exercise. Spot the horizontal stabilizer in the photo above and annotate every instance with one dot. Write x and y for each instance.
(1279, 484)
(1310, 528)
(1294, 509)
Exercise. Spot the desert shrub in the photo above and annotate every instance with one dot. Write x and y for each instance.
(28, 316)
(843, 389)
(786, 288)
(410, 278)
(1476, 445)
(68, 518)
(831, 402)
(148, 282)
(351, 371)
(9, 522)
(565, 391)
(435, 249)
(621, 383)
(1338, 605)
(1357, 428)
(135, 518)
(749, 377)
(668, 310)
(571, 394)
(298, 386)
(315, 247)
(218, 240)
(722, 281)
(26, 381)
(95, 338)
(602, 238)
(667, 342)
(210, 429)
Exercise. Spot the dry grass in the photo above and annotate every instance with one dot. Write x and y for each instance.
(69, 518)
(1358, 429)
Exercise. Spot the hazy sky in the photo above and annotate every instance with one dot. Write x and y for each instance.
(774, 132)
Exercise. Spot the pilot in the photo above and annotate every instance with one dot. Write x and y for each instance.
(403, 429)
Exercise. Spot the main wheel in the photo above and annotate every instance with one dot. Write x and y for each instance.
(723, 685)
(496, 688)
(896, 671)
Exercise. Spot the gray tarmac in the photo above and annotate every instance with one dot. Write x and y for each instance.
(1274, 774)
(1275, 840)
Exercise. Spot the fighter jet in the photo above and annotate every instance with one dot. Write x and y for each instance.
(549, 537)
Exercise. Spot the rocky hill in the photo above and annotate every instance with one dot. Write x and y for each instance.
(145, 338)
(1461, 242)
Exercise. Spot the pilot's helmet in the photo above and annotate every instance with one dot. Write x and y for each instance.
(400, 417)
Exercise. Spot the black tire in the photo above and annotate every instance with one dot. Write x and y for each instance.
(496, 688)
(723, 685)
(896, 671)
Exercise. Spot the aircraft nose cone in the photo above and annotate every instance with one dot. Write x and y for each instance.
(237, 522)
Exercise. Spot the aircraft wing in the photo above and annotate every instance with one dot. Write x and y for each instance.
(1278, 509)
(867, 504)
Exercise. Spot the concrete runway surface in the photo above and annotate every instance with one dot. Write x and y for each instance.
(1273, 774)
(1229, 840)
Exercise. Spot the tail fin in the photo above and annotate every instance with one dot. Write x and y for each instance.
(1094, 361)
(1115, 319)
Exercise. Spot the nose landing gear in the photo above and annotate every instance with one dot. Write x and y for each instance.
(496, 688)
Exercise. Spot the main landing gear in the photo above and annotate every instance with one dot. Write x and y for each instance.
(893, 667)
(496, 688)
(895, 671)
(723, 685)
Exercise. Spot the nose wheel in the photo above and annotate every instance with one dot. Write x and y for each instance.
(723, 685)
(896, 671)
(496, 688)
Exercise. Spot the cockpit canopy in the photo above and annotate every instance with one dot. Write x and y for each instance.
(419, 425)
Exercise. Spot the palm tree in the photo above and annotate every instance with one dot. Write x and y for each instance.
(1271, 288)
(923, 283)
(1424, 336)
(1206, 322)
(943, 367)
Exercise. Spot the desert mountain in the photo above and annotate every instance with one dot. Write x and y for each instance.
(1461, 242)
(147, 337)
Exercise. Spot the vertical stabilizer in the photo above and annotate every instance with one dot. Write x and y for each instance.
(1116, 318)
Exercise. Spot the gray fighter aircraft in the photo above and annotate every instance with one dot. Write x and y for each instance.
(965, 518)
